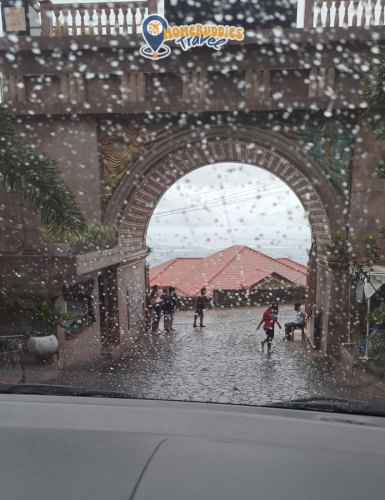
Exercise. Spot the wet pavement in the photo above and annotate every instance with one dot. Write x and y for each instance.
(221, 363)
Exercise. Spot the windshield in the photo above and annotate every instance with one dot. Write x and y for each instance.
(192, 200)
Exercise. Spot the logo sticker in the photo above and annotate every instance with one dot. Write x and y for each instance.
(153, 28)
(156, 31)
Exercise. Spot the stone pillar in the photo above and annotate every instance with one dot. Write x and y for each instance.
(46, 18)
(152, 6)
(331, 321)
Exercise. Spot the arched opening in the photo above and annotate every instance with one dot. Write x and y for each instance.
(236, 230)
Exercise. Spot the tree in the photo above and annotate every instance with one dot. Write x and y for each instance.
(375, 97)
(28, 172)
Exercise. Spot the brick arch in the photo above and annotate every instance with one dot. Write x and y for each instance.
(135, 200)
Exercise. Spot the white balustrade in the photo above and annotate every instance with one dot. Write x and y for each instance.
(94, 19)
(343, 13)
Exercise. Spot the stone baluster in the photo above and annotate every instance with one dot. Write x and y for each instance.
(99, 20)
(65, 21)
(328, 21)
(107, 11)
(381, 16)
(318, 11)
(91, 23)
(125, 11)
(116, 15)
(381, 19)
(372, 13)
(57, 22)
(73, 13)
(134, 27)
(338, 5)
(82, 13)
(46, 18)
(355, 14)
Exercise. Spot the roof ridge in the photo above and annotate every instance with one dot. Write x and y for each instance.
(291, 260)
(277, 260)
(225, 264)
(290, 267)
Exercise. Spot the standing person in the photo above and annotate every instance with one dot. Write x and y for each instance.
(156, 312)
(173, 298)
(298, 321)
(200, 304)
(166, 309)
(270, 317)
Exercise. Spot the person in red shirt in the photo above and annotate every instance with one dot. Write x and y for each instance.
(270, 317)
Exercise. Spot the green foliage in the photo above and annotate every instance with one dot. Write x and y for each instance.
(30, 173)
(42, 314)
(339, 248)
(374, 93)
(377, 317)
(381, 168)
(94, 232)
(36, 311)
(372, 249)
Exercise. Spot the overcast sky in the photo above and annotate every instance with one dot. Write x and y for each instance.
(260, 211)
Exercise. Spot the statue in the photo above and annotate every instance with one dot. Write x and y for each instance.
(120, 150)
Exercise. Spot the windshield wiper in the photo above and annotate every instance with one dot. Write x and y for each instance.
(58, 390)
(336, 405)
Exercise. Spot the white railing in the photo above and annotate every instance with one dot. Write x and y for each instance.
(94, 18)
(343, 13)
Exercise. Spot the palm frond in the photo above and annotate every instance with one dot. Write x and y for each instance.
(95, 232)
(32, 174)
(374, 93)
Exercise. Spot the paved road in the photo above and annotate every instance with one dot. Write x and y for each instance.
(221, 363)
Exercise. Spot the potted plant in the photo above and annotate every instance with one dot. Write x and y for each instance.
(41, 318)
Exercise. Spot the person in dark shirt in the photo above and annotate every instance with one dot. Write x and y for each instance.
(173, 299)
(200, 304)
(166, 308)
(270, 317)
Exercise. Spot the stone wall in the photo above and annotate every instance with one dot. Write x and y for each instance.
(241, 298)
(234, 298)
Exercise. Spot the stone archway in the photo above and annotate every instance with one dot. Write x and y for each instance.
(135, 199)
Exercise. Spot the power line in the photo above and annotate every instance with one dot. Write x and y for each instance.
(228, 197)
(194, 209)
(221, 189)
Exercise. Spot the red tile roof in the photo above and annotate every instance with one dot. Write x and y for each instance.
(235, 267)
(291, 263)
